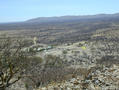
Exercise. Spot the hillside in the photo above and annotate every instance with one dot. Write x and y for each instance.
(62, 29)
(61, 53)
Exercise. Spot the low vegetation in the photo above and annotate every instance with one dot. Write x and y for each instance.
(11, 62)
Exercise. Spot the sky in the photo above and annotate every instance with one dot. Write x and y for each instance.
(21, 10)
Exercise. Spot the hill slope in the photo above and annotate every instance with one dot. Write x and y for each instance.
(65, 28)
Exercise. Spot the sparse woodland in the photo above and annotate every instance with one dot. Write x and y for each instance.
(68, 55)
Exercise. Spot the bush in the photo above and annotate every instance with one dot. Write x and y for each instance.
(64, 52)
(11, 62)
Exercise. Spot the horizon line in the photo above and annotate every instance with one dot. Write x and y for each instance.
(58, 16)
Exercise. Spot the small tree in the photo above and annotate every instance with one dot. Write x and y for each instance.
(11, 62)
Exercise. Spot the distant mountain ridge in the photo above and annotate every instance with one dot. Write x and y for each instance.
(62, 21)
(65, 28)
(68, 18)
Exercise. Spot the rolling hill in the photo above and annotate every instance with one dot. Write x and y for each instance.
(64, 28)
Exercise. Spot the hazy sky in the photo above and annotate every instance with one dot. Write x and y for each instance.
(19, 10)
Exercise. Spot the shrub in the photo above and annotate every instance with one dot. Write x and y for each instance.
(11, 62)
(64, 52)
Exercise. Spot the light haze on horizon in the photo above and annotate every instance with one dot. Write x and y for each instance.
(20, 10)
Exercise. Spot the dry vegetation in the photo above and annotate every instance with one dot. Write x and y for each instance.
(11, 62)
(70, 64)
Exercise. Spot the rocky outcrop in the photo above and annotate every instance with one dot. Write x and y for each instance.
(104, 79)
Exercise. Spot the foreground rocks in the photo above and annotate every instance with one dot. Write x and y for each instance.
(104, 79)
